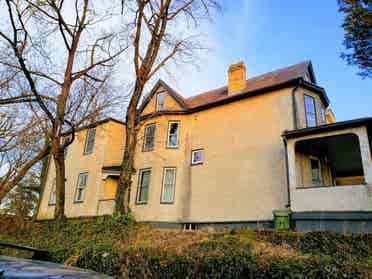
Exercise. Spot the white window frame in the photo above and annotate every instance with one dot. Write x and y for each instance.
(323, 116)
(87, 141)
(65, 139)
(169, 135)
(160, 106)
(173, 185)
(139, 189)
(193, 161)
(144, 147)
(81, 187)
(53, 194)
(321, 182)
(307, 113)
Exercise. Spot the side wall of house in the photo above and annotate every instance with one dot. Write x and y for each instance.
(77, 162)
(243, 177)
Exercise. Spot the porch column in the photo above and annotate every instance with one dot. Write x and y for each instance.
(365, 151)
(291, 164)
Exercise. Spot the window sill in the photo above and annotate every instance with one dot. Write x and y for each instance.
(196, 164)
(51, 204)
(78, 201)
(171, 147)
(87, 153)
(141, 203)
(167, 203)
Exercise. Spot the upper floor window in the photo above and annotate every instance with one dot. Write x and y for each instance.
(81, 187)
(197, 156)
(160, 101)
(149, 137)
(173, 131)
(323, 115)
(89, 142)
(66, 139)
(143, 185)
(310, 110)
(52, 196)
(169, 181)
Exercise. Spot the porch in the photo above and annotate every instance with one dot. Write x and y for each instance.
(330, 176)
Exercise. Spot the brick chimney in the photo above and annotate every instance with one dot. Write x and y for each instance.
(237, 78)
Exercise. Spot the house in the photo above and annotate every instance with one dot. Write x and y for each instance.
(229, 157)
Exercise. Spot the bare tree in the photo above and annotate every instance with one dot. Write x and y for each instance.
(57, 58)
(156, 42)
(22, 145)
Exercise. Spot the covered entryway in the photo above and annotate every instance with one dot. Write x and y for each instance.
(330, 176)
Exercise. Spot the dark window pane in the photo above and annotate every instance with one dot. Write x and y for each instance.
(149, 137)
(90, 141)
(173, 134)
(143, 191)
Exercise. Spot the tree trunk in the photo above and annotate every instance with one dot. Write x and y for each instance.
(127, 165)
(59, 162)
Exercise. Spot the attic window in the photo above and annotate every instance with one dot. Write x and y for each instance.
(307, 77)
(160, 102)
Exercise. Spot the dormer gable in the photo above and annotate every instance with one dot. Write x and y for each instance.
(309, 75)
(162, 98)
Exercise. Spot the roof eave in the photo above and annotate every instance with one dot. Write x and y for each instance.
(327, 128)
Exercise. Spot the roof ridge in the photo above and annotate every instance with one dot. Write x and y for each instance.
(305, 62)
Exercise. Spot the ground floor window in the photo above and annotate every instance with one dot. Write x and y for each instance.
(169, 181)
(143, 185)
(52, 196)
(316, 172)
(81, 187)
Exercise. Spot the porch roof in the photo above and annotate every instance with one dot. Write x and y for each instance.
(328, 127)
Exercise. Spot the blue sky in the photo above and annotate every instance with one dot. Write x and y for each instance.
(268, 35)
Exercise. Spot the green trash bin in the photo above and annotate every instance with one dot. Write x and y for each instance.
(281, 219)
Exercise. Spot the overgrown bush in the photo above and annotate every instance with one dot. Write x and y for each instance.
(327, 243)
(122, 248)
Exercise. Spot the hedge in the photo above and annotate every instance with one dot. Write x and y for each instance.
(111, 246)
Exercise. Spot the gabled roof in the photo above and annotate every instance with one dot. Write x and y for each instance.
(176, 96)
(285, 77)
(268, 80)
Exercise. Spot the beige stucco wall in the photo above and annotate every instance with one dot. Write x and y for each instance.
(169, 102)
(336, 198)
(243, 175)
(77, 162)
